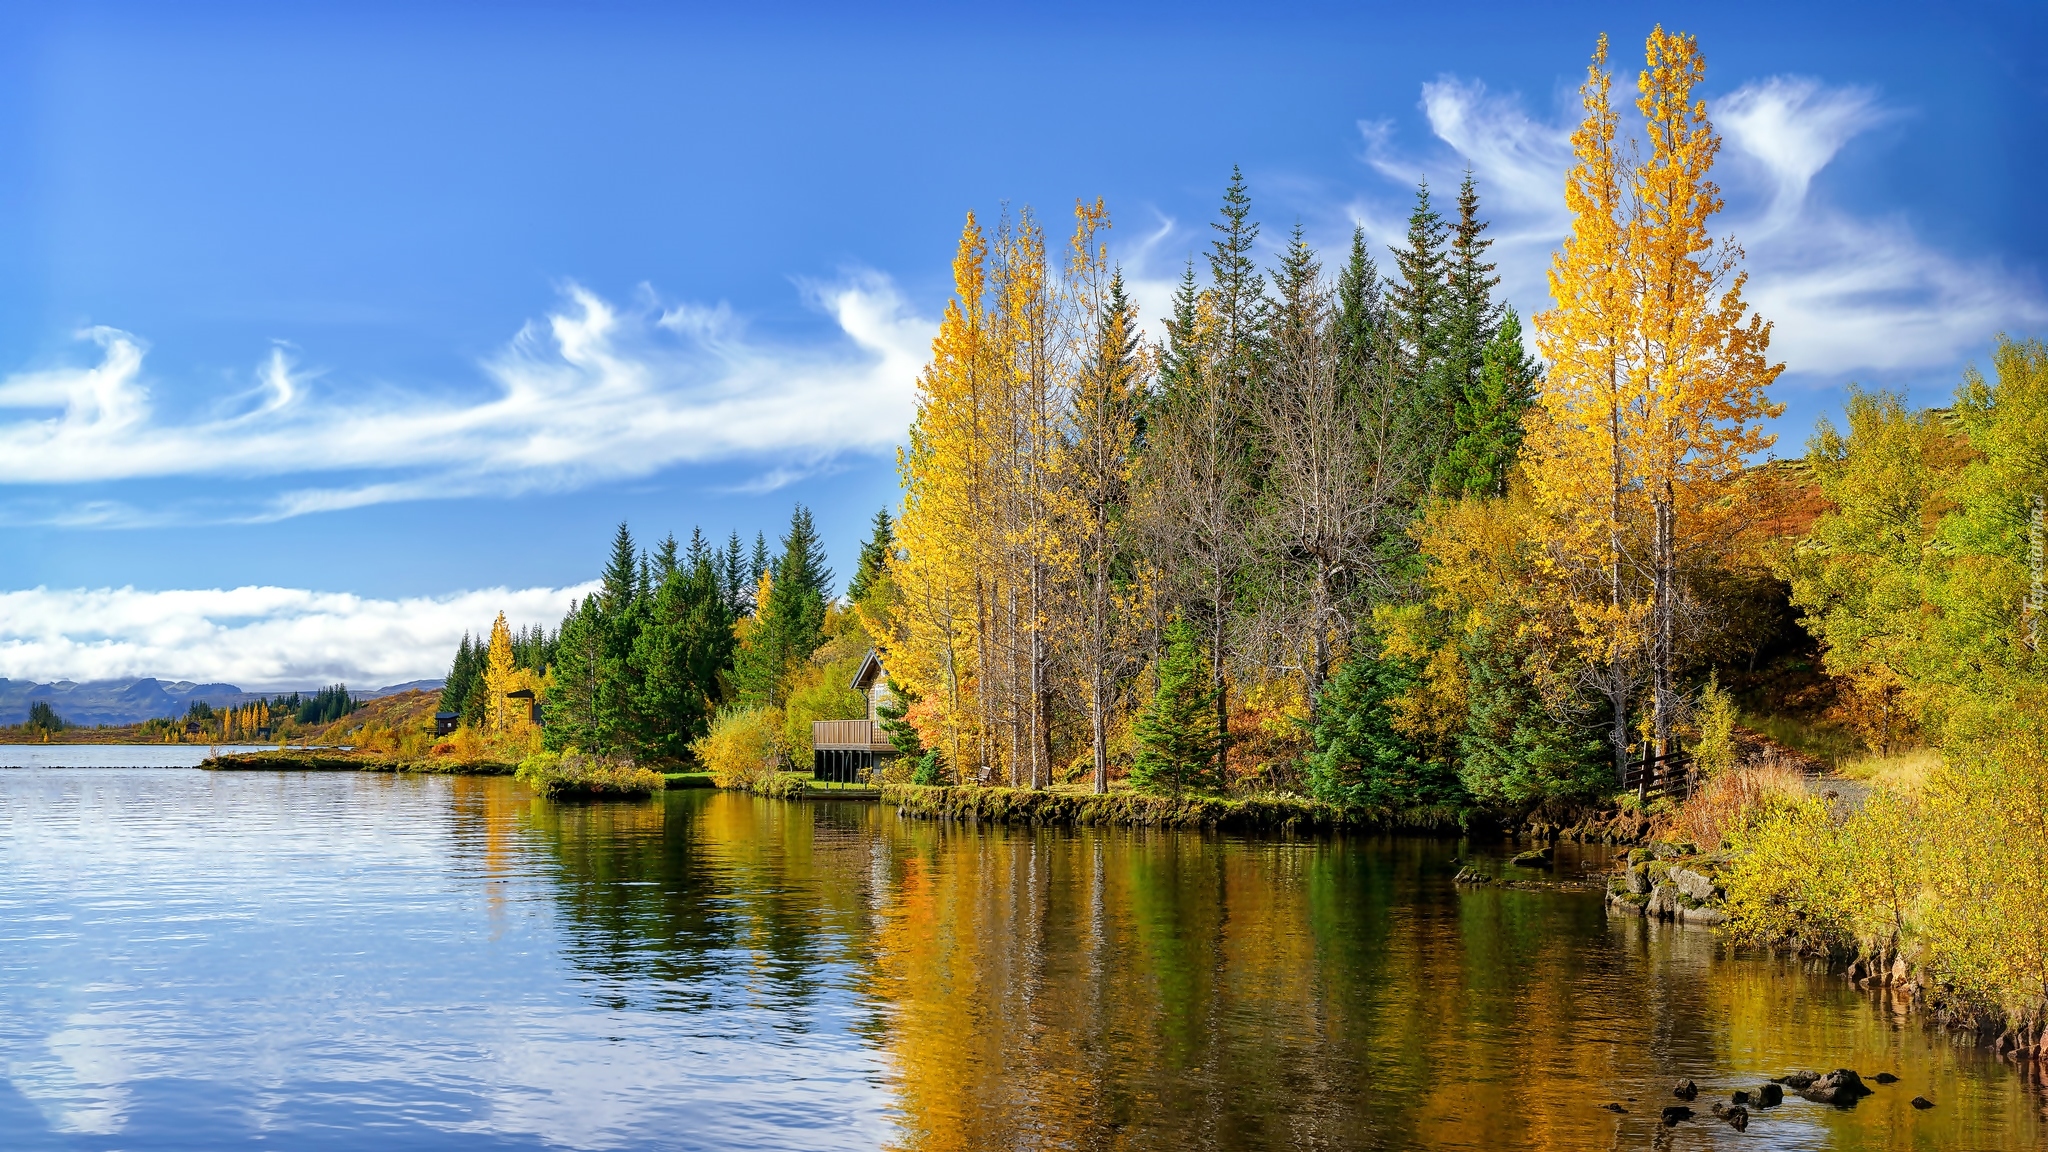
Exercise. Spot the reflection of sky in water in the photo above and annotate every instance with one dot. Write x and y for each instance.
(194, 959)
(115, 755)
(197, 958)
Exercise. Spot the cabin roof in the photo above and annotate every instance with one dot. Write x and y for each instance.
(870, 668)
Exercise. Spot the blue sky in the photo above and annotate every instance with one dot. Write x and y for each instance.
(384, 309)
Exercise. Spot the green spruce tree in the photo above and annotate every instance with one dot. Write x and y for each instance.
(791, 625)
(1179, 741)
(874, 558)
(1360, 759)
(1489, 417)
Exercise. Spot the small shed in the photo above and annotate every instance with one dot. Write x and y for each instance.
(446, 722)
(532, 704)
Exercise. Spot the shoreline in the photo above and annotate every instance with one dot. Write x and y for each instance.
(1664, 883)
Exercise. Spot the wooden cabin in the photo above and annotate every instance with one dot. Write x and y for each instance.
(446, 722)
(532, 705)
(849, 751)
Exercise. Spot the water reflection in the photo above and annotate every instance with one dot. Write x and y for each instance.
(299, 960)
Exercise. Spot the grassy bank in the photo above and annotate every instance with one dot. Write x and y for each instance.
(1271, 813)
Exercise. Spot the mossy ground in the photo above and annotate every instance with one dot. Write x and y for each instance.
(1267, 813)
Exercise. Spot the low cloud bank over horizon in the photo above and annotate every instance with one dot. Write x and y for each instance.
(257, 638)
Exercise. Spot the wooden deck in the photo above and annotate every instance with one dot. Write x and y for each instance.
(848, 736)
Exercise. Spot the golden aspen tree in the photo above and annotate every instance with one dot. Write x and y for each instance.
(1111, 365)
(1575, 455)
(933, 645)
(499, 676)
(1656, 381)
(1028, 318)
(1700, 367)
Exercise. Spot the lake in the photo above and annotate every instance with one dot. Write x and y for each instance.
(340, 960)
(115, 755)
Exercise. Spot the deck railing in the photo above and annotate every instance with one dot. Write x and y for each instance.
(865, 735)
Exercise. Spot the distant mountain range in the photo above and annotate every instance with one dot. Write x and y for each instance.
(133, 701)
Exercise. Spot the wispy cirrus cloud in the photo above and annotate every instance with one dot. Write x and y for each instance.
(253, 637)
(1847, 292)
(593, 392)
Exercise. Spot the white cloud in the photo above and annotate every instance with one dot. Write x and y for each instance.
(1521, 160)
(592, 393)
(1846, 292)
(254, 637)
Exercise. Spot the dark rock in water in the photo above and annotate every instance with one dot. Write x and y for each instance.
(1676, 1114)
(1922, 1102)
(1736, 1115)
(1797, 1081)
(1615, 1108)
(1741, 1097)
(1838, 1087)
(1533, 858)
(1770, 1096)
(1686, 1090)
(1471, 876)
(1885, 1078)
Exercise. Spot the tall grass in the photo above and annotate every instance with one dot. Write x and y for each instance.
(1721, 804)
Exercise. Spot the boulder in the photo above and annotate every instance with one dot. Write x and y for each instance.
(1770, 1096)
(1841, 1087)
(1686, 1090)
(1639, 879)
(1741, 1097)
(1885, 1078)
(1797, 1081)
(1922, 1102)
(1676, 1114)
(1663, 901)
(1533, 858)
(1694, 884)
(1615, 1108)
(1738, 1118)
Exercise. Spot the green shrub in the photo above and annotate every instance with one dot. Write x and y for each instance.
(571, 773)
(743, 746)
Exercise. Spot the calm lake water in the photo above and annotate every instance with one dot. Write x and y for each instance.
(199, 960)
(115, 755)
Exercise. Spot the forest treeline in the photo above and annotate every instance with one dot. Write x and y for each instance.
(1337, 530)
(678, 640)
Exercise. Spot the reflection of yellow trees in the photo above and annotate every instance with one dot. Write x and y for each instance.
(1036, 988)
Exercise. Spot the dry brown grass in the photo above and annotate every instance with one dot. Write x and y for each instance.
(1903, 772)
(1723, 803)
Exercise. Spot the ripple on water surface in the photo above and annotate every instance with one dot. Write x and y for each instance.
(196, 959)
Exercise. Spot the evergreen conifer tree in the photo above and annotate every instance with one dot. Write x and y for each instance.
(1489, 416)
(622, 575)
(684, 645)
(758, 565)
(790, 626)
(732, 573)
(874, 558)
(1178, 738)
(1361, 319)
(1360, 759)
(461, 676)
(1417, 307)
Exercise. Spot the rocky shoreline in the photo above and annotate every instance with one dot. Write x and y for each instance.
(1678, 884)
